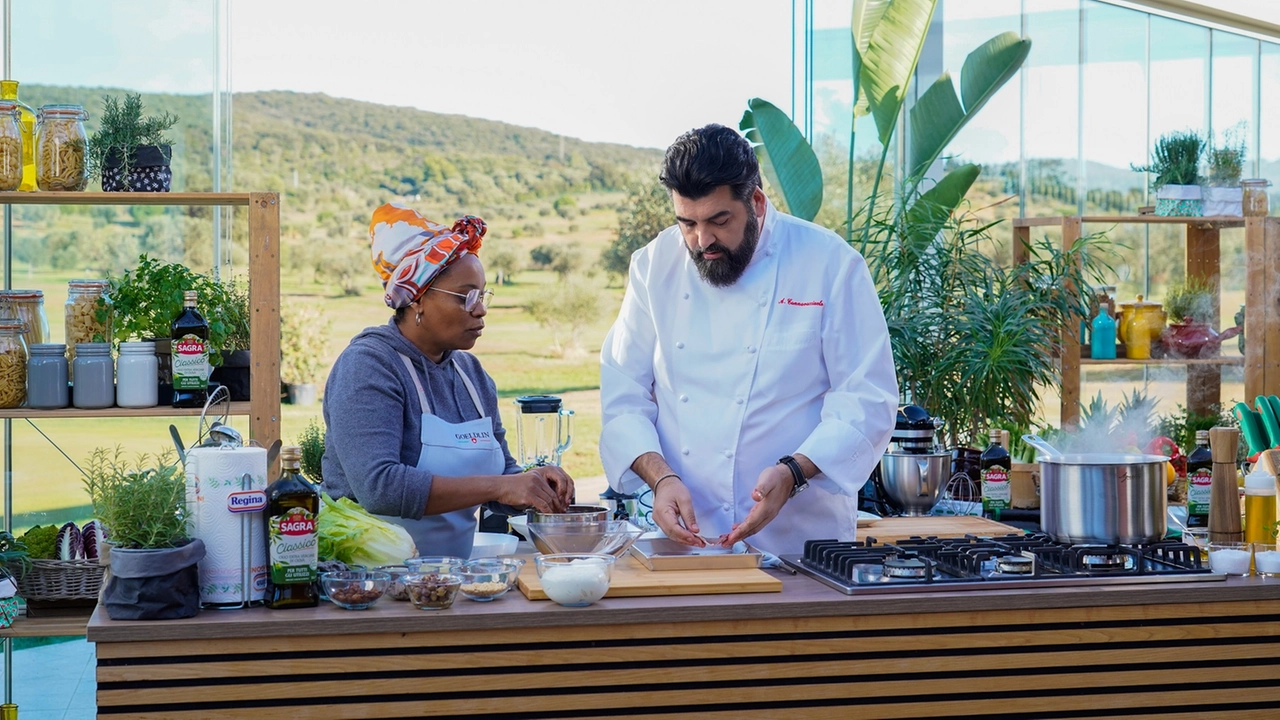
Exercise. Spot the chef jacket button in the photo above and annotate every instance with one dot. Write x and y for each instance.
(679, 346)
(751, 349)
(725, 507)
(686, 296)
(684, 398)
(764, 303)
(728, 453)
(738, 400)
(684, 451)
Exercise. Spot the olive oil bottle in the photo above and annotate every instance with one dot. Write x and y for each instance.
(189, 336)
(293, 506)
(1199, 481)
(994, 464)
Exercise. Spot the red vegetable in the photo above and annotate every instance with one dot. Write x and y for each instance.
(69, 543)
(91, 538)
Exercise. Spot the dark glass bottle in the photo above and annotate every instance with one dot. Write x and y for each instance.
(293, 506)
(994, 464)
(1199, 481)
(189, 334)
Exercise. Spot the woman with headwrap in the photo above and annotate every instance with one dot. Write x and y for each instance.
(413, 432)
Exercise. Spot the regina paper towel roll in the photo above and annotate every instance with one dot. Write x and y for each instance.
(225, 510)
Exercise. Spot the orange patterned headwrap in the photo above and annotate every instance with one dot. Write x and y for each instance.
(410, 251)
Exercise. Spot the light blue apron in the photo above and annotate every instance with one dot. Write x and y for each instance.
(451, 450)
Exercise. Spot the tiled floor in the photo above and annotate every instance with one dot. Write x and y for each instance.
(55, 682)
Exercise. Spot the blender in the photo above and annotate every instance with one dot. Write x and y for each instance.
(543, 430)
(914, 470)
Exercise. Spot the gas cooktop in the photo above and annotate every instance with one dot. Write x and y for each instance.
(983, 563)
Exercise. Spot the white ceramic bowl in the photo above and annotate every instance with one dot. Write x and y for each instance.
(493, 545)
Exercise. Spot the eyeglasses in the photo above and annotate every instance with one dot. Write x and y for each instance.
(473, 297)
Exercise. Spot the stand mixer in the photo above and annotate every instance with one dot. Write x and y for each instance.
(914, 469)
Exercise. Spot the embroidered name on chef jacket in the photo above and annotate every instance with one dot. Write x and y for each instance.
(800, 303)
(473, 439)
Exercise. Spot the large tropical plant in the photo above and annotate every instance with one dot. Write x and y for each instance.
(887, 39)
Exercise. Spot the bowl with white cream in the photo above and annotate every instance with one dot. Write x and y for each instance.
(575, 579)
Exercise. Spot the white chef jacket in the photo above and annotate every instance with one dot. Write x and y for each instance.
(794, 357)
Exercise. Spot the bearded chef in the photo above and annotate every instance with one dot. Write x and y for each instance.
(748, 379)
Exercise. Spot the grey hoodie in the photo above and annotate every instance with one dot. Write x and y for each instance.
(374, 421)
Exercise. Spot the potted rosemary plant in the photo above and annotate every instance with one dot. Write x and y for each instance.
(130, 152)
(1223, 194)
(153, 571)
(1176, 165)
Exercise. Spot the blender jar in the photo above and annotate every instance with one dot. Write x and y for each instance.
(543, 430)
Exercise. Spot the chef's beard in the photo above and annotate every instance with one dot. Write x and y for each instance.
(725, 270)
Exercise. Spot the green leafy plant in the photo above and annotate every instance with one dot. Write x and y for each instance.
(122, 129)
(645, 213)
(1189, 299)
(304, 334)
(149, 297)
(887, 39)
(566, 311)
(1181, 425)
(1226, 161)
(311, 440)
(974, 340)
(13, 555)
(142, 503)
(1176, 159)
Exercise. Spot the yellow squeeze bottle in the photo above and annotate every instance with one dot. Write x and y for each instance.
(27, 126)
(1259, 506)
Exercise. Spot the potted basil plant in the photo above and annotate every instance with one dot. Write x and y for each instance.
(1176, 165)
(152, 570)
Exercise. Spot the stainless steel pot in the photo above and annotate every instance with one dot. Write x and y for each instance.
(1102, 498)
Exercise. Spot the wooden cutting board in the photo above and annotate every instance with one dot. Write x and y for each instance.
(886, 530)
(632, 579)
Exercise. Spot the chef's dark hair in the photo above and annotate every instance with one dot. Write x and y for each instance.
(705, 158)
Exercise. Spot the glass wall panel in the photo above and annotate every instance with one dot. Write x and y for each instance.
(1051, 108)
(833, 112)
(1269, 126)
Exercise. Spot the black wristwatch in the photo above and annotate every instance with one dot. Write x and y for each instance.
(801, 483)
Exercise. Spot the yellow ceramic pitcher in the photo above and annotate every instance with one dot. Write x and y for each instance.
(1140, 323)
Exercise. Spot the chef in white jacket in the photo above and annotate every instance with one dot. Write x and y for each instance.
(748, 379)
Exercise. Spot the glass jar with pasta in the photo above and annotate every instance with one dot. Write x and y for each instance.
(61, 146)
(88, 314)
(13, 364)
(10, 147)
(27, 306)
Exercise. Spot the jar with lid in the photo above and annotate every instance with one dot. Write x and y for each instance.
(10, 147)
(88, 314)
(27, 125)
(27, 306)
(47, 377)
(136, 371)
(1254, 197)
(61, 148)
(13, 364)
(95, 376)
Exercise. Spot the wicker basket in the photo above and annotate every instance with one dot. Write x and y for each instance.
(61, 580)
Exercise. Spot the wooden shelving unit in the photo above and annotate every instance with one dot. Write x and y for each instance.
(264, 301)
(1262, 303)
(68, 626)
(237, 408)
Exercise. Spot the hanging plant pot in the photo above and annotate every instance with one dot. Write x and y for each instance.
(149, 170)
(1224, 201)
(154, 584)
(1179, 201)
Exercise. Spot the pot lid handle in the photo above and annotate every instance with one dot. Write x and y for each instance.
(1039, 443)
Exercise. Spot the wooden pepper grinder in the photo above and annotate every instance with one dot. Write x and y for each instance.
(1224, 495)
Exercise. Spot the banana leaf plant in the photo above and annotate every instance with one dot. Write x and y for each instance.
(887, 39)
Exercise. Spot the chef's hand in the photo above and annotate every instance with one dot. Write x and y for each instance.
(559, 480)
(531, 489)
(771, 493)
(673, 512)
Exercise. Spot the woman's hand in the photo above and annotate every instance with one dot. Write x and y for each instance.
(545, 489)
(559, 480)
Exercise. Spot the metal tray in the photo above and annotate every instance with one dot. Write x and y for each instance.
(665, 554)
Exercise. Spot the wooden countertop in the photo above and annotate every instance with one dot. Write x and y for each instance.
(800, 597)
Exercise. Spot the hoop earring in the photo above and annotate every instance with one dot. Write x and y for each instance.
(417, 319)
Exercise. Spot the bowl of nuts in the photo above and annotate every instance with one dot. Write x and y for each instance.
(432, 591)
(488, 578)
(355, 589)
(396, 590)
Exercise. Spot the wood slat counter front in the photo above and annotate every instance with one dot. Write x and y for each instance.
(1202, 650)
